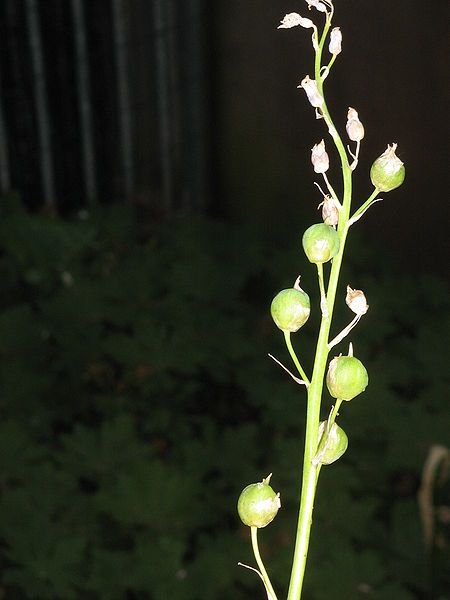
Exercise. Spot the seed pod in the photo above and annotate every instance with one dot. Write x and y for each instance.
(346, 378)
(258, 504)
(388, 171)
(320, 243)
(290, 309)
(336, 443)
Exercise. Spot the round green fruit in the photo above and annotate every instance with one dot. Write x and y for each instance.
(333, 446)
(320, 243)
(290, 309)
(346, 378)
(388, 171)
(258, 504)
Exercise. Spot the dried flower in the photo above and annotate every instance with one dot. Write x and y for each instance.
(319, 158)
(354, 127)
(294, 19)
(330, 211)
(335, 46)
(317, 5)
(356, 301)
(310, 87)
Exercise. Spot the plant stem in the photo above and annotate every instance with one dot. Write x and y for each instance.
(263, 572)
(310, 472)
(287, 337)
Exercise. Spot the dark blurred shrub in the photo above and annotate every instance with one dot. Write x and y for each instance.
(137, 401)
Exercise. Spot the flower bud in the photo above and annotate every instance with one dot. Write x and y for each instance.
(346, 378)
(310, 87)
(333, 447)
(320, 243)
(258, 504)
(294, 19)
(319, 158)
(290, 309)
(335, 46)
(356, 301)
(354, 127)
(388, 171)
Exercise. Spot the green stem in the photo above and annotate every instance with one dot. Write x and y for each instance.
(287, 337)
(366, 205)
(323, 296)
(331, 419)
(310, 472)
(262, 570)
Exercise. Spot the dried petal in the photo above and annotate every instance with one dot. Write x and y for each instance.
(294, 19)
(317, 5)
(335, 46)
(356, 301)
(310, 87)
(354, 127)
(330, 211)
(319, 158)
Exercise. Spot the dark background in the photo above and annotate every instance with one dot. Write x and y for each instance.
(156, 180)
(209, 119)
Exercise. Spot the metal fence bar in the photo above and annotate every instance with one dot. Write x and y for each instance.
(84, 101)
(42, 113)
(123, 91)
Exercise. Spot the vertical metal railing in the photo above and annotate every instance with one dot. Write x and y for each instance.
(40, 98)
(123, 96)
(171, 42)
(84, 101)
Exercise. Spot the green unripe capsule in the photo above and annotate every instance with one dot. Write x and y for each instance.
(320, 243)
(290, 309)
(258, 504)
(333, 446)
(346, 378)
(388, 171)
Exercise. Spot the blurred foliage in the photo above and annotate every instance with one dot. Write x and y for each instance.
(137, 401)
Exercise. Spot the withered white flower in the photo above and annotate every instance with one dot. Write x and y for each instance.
(310, 87)
(356, 301)
(320, 6)
(293, 19)
(319, 158)
(354, 127)
(335, 46)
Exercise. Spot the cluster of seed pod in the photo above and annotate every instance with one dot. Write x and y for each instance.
(346, 376)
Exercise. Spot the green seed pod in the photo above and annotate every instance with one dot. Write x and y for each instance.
(334, 446)
(258, 504)
(388, 171)
(320, 243)
(346, 378)
(290, 309)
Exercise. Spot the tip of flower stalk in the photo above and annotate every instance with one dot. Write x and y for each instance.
(350, 349)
